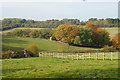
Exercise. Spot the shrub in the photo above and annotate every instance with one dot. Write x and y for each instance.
(33, 48)
(77, 40)
(30, 54)
(108, 49)
(7, 34)
(6, 54)
(33, 34)
(18, 32)
(26, 32)
(45, 33)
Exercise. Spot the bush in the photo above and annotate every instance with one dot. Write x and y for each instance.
(77, 40)
(33, 34)
(18, 33)
(30, 54)
(45, 33)
(7, 34)
(108, 49)
(33, 48)
(6, 54)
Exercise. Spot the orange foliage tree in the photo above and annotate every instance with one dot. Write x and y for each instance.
(91, 26)
(116, 41)
(66, 33)
(100, 36)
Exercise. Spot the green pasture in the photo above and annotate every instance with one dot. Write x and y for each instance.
(10, 30)
(46, 67)
(112, 31)
(18, 43)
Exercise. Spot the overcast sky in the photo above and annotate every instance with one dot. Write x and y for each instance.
(59, 10)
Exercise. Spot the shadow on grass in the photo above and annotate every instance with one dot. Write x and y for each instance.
(6, 48)
(12, 40)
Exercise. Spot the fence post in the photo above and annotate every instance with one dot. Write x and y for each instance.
(45, 55)
(66, 55)
(96, 56)
(73, 56)
(111, 56)
(53, 54)
(57, 55)
(62, 55)
(77, 56)
(103, 56)
(89, 56)
(39, 54)
(49, 54)
(83, 56)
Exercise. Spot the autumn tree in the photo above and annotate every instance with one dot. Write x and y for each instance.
(85, 36)
(116, 41)
(100, 37)
(66, 33)
(91, 26)
(33, 48)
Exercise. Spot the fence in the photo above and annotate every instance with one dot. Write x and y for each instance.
(82, 56)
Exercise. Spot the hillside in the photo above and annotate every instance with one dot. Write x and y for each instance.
(17, 43)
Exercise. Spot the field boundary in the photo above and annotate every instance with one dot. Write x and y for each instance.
(82, 56)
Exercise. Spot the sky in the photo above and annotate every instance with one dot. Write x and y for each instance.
(58, 10)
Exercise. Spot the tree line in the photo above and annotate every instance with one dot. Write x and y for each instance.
(8, 23)
(88, 36)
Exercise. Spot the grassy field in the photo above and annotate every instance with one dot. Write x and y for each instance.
(10, 30)
(46, 67)
(17, 43)
(20, 43)
(59, 68)
(112, 31)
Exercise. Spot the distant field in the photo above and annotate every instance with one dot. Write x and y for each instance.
(21, 29)
(17, 43)
(45, 67)
(112, 31)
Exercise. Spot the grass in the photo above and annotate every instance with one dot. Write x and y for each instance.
(112, 31)
(10, 30)
(17, 43)
(45, 67)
